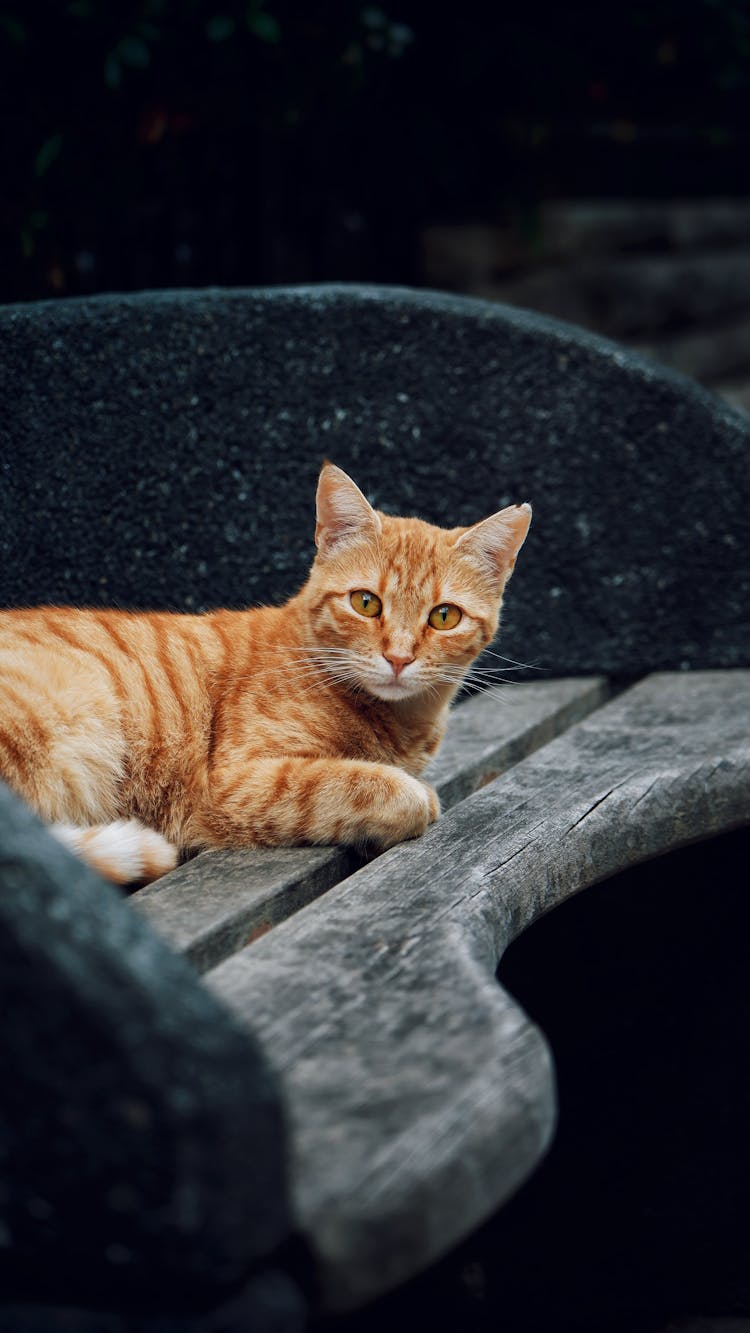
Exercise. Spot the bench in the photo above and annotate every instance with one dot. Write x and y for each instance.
(418, 1094)
(412, 1094)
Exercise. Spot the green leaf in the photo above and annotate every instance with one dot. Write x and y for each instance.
(264, 26)
(48, 153)
(81, 9)
(14, 29)
(133, 51)
(220, 27)
(28, 244)
(39, 219)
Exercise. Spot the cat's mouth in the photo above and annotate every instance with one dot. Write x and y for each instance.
(390, 690)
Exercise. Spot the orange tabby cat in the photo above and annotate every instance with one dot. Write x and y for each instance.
(134, 734)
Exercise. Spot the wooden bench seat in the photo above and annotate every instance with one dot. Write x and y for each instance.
(220, 901)
(418, 1094)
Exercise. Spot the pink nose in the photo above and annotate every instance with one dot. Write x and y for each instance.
(398, 663)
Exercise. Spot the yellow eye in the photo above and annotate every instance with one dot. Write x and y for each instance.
(445, 616)
(366, 603)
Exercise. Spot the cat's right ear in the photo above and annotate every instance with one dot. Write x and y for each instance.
(344, 514)
(494, 543)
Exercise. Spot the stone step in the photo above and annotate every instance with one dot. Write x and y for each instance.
(457, 255)
(622, 296)
(712, 353)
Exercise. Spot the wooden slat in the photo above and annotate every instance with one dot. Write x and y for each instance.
(418, 1095)
(220, 901)
(494, 730)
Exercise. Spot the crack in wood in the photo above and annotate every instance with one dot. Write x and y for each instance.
(645, 793)
(506, 862)
(599, 801)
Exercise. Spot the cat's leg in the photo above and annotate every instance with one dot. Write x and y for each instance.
(124, 852)
(282, 801)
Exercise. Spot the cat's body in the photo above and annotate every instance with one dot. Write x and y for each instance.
(307, 722)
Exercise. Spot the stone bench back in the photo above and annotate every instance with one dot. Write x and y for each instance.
(161, 450)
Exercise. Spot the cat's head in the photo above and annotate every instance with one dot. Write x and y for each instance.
(398, 607)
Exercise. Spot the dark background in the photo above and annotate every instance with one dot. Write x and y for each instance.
(164, 143)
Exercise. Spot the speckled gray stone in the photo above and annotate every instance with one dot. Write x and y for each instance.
(141, 1141)
(162, 450)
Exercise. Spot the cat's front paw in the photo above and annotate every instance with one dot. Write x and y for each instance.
(433, 802)
(412, 806)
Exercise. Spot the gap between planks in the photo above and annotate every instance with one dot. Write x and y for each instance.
(219, 902)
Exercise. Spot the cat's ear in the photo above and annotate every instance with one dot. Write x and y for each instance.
(344, 514)
(494, 543)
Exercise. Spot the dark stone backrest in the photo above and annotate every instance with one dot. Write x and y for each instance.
(161, 450)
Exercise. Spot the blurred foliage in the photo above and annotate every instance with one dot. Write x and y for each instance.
(172, 142)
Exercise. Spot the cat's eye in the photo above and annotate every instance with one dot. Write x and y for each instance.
(366, 603)
(445, 616)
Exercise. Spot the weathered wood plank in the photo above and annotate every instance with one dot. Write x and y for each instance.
(219, 901)
(418, 1094)
(494, 730)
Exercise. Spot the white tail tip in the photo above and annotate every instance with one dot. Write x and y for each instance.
(123, 852)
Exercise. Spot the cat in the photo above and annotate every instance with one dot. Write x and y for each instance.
(137, 734)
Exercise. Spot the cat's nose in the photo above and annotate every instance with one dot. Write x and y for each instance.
(398, 663)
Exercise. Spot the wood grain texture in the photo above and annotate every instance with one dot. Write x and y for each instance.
(419, 1096)
(218, 902)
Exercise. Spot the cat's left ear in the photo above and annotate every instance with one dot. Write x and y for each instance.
(495, 542)
(344, 515)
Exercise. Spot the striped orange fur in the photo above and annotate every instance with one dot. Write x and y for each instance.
(135, 734)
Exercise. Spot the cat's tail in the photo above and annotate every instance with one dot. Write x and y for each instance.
(123, 852)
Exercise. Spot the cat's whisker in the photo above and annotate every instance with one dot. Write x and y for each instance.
(478, 679)
(469, 688)
(310, 678)
(487, 683)
(479, 682)
(512, 669)
(337, 664)
(495, 670)
(342, 677)
(519, 666)
(322, 655)
(303, 672)
(328, 652)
